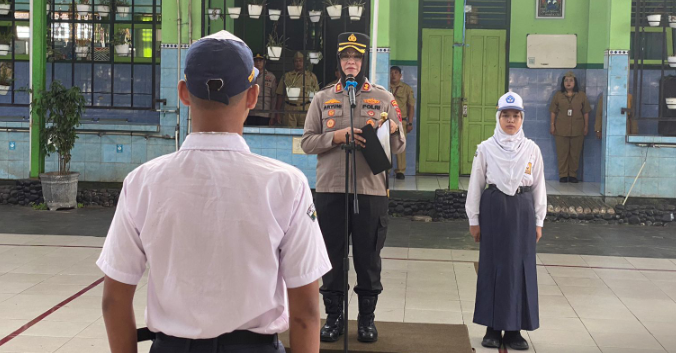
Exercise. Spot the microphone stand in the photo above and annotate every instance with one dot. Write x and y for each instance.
(350, 147)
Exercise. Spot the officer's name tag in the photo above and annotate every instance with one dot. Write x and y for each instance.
(570, 112)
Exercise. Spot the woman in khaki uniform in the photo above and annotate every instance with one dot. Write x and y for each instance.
(569, 124)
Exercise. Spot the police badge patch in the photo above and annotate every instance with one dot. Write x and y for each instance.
(312, 212)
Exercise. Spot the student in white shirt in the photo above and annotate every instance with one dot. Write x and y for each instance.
(507, 218)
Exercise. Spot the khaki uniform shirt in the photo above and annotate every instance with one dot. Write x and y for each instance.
(403, 93)
(266, 96)
(330, 111)
(295, 79)
(569, 125)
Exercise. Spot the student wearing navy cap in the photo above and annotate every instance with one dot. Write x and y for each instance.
(507, 218)
(230, 237)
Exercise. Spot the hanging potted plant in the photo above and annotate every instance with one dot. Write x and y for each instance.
(61, 109)
(256, 8)
(275, 46)
(214, 14)
(49, 7)
(122, 8)
(355, 8)
(103, 8)
(84, 8)
(672, 21)
(5, 7)
(295, 9)
(234, 12)
(274, 14)
(82, 48)
(5, 79)
(315, 15)
(315, 56)
(121, 42)
(655, 19)
(672, 61)
(671, 103)
(334, 9)
(5, 43)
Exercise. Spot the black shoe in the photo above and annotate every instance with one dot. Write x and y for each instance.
(492, 339)
(514, 340)
(333, 328)
(563, 180)
(572, 180)
(366, 327)
(400, 176)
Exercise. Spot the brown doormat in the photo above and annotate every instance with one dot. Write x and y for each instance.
(398, 337)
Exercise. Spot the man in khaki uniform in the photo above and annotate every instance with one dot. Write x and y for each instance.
(298, 78)
(267, 83)
(328, 120)
(403, 93)
(632, 124)
(569, 124)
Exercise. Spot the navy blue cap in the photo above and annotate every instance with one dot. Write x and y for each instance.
(218, 67)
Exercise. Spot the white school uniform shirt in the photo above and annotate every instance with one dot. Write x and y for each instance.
(224, 232)
(533, 175)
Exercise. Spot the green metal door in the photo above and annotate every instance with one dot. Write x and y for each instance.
(435, 100)
(483, 84)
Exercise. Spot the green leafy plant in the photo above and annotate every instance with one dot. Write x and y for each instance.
(121, 2)
(103, 2)
(5, 75)
(355, 3)
(121, 37)
(257, 2)
(80, 205)
(39, 206)
(275, 40)
(5, 2)
(297, 2)
(332, 2)
(6, 37)
(61, 109)
(83, 2)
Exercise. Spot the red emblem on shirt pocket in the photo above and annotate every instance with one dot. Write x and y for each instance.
(371, 113)
(398, 113)
(330, 123)
(394, 103)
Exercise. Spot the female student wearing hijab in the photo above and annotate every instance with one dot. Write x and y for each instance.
(506, 218)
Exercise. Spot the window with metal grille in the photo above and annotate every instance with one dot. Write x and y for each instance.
(480, 14)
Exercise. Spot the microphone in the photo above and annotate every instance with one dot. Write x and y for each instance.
(351, 85)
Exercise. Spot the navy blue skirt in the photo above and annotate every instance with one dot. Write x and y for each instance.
(507, 287)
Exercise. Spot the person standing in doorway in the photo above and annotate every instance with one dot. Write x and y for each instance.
(307, 84)
(569, 124)
(403, 93)
(267, 83)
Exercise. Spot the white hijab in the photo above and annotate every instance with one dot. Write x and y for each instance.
(507, 157)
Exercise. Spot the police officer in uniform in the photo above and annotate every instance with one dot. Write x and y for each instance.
(268, 84)
(403, 93)
(569, 124)
(328, 120)
(299, 78)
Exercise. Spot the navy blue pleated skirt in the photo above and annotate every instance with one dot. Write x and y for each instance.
(507, 288)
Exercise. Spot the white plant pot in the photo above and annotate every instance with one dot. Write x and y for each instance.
(84, 10)
(4, 9)
(274, 14)
(293, 93)
(4, 49)
(123, 11)
(334, 11)
(672, 21)
(81, 52)
(311, 95)
(48, 9)
(654, 20)
(274, 53)
(672, 61)
(214, 14)
(671, 103)
(355, 12)
(314, 57)
(255, 11)
(294, 11)
(3, 90)
(122, 50)
(234, 12)
(315, 16)
(103, 10)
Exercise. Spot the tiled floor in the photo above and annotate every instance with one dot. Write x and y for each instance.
(588, 304)
(431, 183)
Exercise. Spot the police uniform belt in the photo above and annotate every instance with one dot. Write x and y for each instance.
(297, 104)
(227, 339)
(519, 190)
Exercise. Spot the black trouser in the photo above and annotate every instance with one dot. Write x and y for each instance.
(222, 344)
(368, 230)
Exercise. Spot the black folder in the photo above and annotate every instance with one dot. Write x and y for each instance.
(373, 152)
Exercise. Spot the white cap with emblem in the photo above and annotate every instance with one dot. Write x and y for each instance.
(510, 100)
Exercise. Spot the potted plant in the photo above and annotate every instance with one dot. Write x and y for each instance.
(122, 8)
(5, 42)
(355, 9)
(314, 57)
(672, 21)
(295, 9)
(49, 6)
(275, 46)
(334, 9)
(82, 48)
(5, 6)
(214, 14)
(61, 110)
(671, 103)
(5, 79)
(121, 42)
(103, 7)
(256, 8)
(315, 15)
(274, 14)
(84, 7)
(234, 12)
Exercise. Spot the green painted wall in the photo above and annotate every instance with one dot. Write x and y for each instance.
(384, 14)
(598, 33)
(169, 23)
(404, 30)
(620, 24)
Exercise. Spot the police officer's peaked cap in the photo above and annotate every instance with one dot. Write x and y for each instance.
(569, 74)
(354, 40)
(259, 56)
(299, 55)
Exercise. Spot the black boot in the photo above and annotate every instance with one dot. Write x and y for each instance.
(514, 340)
(492, 339)
(366, 327)
(333, 327)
